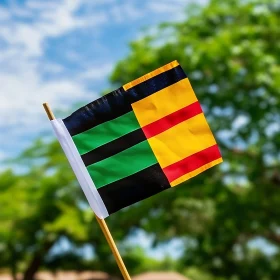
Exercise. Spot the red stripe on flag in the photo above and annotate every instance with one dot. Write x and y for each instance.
(172, 119)
(191, 163)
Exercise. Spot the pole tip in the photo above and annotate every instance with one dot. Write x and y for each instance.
(48, 111)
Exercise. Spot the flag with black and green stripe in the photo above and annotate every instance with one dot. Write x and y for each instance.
(145, 137)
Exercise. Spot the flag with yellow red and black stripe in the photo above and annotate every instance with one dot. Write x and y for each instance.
(145, 137)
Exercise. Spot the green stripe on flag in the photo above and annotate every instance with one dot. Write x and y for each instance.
(105, 132)
(122, 164)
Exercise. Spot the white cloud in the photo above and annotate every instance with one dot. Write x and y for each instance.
(19, 11)
(128, 9)
(23, 88)
(96, 73)
(26, 30)
(52, 68)
(50, 20)
(22, 95)
(4, 14)
(39, 5)
(3, 155)
(174, 11)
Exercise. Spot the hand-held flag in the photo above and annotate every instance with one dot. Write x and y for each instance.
(145, 137)
(101, 222)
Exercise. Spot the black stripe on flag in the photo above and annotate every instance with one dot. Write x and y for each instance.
(134, 188)
(116, 146)
(118, 102)
(158, 82)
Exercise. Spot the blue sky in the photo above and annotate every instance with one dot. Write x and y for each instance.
(62, 52)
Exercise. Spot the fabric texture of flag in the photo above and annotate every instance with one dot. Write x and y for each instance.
(145, 137)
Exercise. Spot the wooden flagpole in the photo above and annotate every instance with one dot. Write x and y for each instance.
(101, 222)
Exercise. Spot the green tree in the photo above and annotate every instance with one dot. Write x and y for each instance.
(42, 203)
(37, 206)
(231, 52)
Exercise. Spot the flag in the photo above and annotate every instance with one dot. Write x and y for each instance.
(147, 136)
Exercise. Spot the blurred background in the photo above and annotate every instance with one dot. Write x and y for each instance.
(222, 224)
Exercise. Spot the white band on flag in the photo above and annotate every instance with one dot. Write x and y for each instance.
(95, 201)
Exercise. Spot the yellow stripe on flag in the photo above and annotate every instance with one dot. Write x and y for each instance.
(152, 74)
(195, 172)
(182, 140)
(164, 102)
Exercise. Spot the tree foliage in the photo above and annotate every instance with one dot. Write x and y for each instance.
(230, 51)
